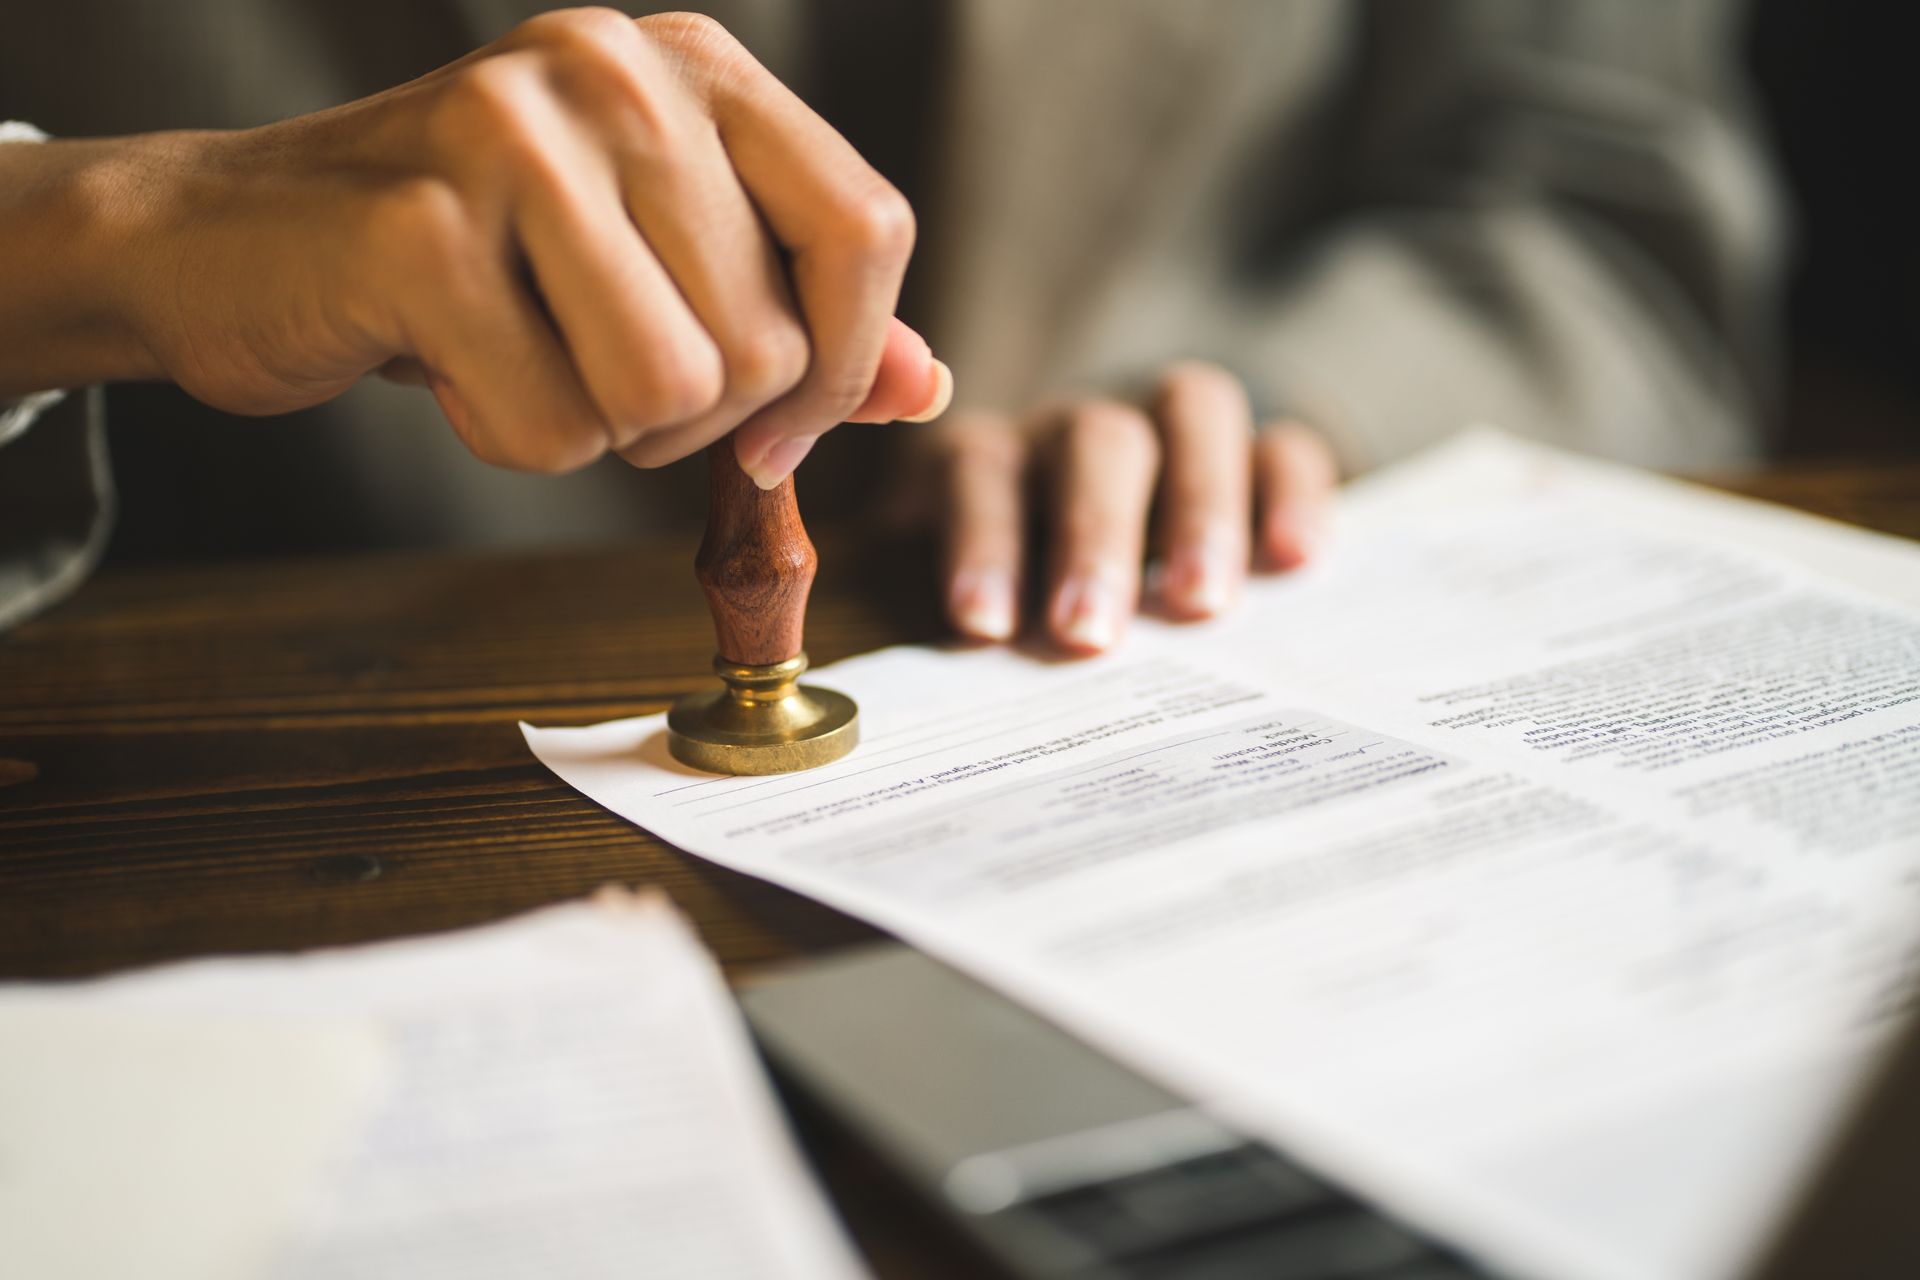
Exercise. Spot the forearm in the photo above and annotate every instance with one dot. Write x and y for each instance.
(72, 250)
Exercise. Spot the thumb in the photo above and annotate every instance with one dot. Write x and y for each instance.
(911, 386)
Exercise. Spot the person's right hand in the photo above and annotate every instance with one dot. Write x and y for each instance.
(596, 233)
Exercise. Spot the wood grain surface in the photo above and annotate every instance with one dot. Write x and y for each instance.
(281, 755)
(755, 564)
(289, 754)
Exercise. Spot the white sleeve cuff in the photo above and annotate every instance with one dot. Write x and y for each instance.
(17, 415)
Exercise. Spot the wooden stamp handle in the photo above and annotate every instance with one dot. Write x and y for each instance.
(756, 564)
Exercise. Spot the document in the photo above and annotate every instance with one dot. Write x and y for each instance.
(1543, 862)
(568, 1094)
(164, 1146)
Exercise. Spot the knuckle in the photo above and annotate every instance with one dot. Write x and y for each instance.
(559, 448)
(983, 443)
(840, 392)
(589, 25)
(1198, 378)
(1202, 406)
(1296, 436)
(659, 447)
(1295, 447)
(769, 363)
(647, 452)
(489, 112)
(688, 383)
(689, 32)
(422, 222)
(597, 60)
(1106, 428)
(879, 222)
(491, 91)
(623, 82)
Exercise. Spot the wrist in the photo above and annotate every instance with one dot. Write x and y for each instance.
(77, 238)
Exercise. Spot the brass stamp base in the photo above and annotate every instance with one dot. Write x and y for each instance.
(762, 721)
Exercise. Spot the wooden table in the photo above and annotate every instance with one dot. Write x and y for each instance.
(265, 756)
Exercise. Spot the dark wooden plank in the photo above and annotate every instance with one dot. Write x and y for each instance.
(274, 756)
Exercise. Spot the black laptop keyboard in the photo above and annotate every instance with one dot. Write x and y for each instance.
(1241, 1214)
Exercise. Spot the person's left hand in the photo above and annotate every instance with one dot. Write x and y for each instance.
(1222, 496)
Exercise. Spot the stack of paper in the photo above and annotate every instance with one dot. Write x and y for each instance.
(1542, 861)
(569, 1094)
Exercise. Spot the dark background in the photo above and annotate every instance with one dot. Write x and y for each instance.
(1840, 91)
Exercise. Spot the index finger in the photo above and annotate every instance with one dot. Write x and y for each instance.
(848, 233)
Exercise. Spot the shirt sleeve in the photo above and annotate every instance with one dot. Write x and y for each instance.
(56, 488)
(56, 506)
(1554, 218)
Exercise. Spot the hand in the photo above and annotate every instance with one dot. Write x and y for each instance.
(596, 233)
(1227, 495)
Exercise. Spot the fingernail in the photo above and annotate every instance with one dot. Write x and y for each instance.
(1201, 579)
(942, 394)
(983, 603)
(1294, 537)
(1087, 613)
(779, 462)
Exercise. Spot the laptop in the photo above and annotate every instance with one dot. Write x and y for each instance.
(1059, 1162)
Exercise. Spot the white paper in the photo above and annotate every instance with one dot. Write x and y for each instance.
(571, 1093)
(1563, 822)
(169, 1147)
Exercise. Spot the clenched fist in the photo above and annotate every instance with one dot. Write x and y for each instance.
(594, 234)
